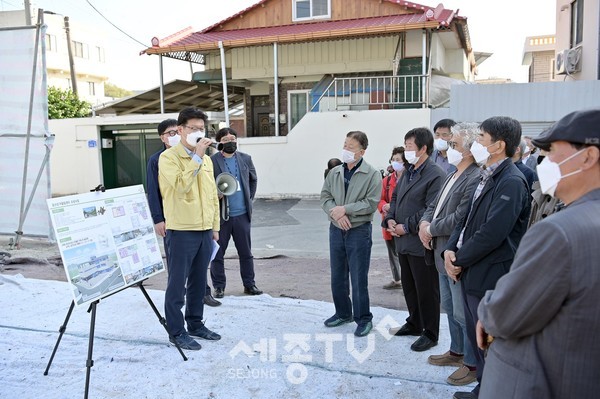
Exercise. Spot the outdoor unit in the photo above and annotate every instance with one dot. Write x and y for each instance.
(568, 61)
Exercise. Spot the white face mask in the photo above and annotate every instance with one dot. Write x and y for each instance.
(174, 140)
(480, 153)
(398, 167)
(549, 174)
(411, 157)
(347, 156)
(440, 144)
(526, 151)
(454, 157)
(192, 138)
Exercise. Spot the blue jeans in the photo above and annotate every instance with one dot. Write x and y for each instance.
(189, 254)
(452, 302)
(350, 256)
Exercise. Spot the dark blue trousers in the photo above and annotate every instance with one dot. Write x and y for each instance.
(237, 227)
(471, 304)
(166, 246)
(189, 255)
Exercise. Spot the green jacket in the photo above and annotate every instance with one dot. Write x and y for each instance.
(364, 192)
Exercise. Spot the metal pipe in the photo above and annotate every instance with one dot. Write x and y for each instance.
(423, 66)
(71, 60)
(276, 87)
(224, 79)
(162, 84)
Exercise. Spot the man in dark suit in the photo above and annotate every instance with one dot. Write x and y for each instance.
(442, 134)
(236, 218)
(438, 222)
(528, 172)
(544, 314)
(482, 247)
(415, 190)
(530, 153)
(167, 131)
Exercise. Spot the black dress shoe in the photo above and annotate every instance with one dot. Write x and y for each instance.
(404, 330)
(252, 290)
(210, 301)
(423, 343)
(464, 395)
(219, 292)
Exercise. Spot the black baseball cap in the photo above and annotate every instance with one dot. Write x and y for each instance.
(580, 127)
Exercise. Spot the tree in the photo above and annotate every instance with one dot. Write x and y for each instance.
(111, 90)
(64, 104)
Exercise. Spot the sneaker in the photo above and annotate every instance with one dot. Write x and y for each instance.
(204, 333)
(335, 321)
(462, 376)
(363, 329)
(393, 285)
(447, 359)
(219, 292)
(185, 342)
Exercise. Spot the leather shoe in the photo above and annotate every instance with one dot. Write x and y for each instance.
(252, 290)
(210, 301)
(423, 343)
(404, 330)
(464, 395)
(219, 292)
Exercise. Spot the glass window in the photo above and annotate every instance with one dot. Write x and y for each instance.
(298, 106)
(92, 88)
(576, 22)
(51, 43)
(311, 9)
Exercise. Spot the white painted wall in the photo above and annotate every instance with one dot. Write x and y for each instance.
(293, 166)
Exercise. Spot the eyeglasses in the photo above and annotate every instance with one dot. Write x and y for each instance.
(171, 132)
(194, 129)
(452, 144)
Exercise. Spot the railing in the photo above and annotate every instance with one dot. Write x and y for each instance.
(373, 92)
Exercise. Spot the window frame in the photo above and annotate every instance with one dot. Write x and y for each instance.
(295, 18)
(576, 21)
(290, 93)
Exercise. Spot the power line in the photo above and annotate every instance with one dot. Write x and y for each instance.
(121, 30)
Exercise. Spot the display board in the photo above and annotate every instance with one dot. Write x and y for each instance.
(106, 241)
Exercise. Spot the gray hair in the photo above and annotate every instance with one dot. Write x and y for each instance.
(522, 146)
(469, 132)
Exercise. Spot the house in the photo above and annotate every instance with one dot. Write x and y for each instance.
(539, 54)
(296, 56)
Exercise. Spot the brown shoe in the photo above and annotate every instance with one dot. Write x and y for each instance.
(447, 359)
(392, 285)
(462, 376)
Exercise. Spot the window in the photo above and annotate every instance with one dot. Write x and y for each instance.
(298, 102)
(576, 22)
(92, 88)
(80, 50)
(99, 54)
(311, 9)
(51, 43)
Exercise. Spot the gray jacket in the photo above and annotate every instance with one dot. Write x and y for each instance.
(362, 197)
(544, 312)
(453, 210)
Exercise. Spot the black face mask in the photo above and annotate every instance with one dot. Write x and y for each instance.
(229, 147)
(540, 159)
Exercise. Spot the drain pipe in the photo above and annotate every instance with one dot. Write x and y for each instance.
(424, 67)
(224, 79)
(276, 88)
(162, 84)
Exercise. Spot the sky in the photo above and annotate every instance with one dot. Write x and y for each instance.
(494, 26)
(271, 348)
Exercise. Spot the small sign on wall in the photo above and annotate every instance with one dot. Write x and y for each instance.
(92, 143)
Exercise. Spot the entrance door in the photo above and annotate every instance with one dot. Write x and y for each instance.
(260, 116)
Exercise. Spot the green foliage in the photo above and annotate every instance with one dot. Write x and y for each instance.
(63, 104)
(111, 90)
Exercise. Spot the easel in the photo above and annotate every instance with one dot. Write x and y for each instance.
(90, 362)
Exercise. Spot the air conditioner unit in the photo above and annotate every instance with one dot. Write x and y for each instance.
(568, 61)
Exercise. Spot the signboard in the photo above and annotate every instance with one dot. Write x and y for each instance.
(106, 241)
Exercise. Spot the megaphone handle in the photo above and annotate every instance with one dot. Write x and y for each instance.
(225, 208)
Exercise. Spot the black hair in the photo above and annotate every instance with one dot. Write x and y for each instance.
(503, 128)
(165, 124)
(399, 150)
(422, 136)
(333, 162)
(361, 137)
(448, 123)
(191, 113)
(224, 132)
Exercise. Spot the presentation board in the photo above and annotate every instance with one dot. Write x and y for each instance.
(106, 241)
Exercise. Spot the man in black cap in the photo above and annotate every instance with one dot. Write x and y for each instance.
(544, 313)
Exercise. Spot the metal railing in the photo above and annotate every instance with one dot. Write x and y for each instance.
(373, 92)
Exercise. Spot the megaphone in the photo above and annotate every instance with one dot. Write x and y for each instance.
(226, 184)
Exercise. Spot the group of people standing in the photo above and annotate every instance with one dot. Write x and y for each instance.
(455, 210)
(185, 207)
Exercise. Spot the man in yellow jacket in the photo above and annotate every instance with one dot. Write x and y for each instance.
(191, 208)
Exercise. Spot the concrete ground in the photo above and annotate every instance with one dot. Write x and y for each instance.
(290, 245)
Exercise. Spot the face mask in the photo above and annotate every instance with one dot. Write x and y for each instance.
(480, 153)
(398, 167)
(174, 140)
(549, 174)
(347, 156)
(229, 147)
(440, 144)
(454, 157)
(527, 150)
(411, 157)
(192, 138)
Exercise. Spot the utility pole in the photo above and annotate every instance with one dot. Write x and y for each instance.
(27, 13)
(71, 61)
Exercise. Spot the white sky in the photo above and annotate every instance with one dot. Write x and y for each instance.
(495, 26)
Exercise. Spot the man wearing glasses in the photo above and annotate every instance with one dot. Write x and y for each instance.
(167, 131)
(191, 209)
(442, 135)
